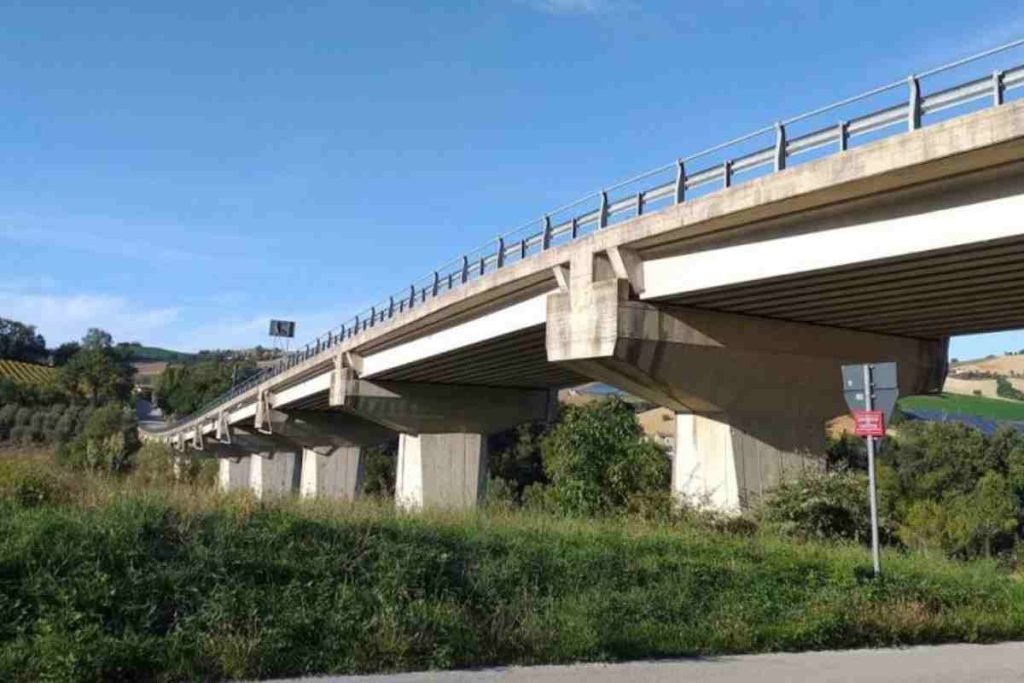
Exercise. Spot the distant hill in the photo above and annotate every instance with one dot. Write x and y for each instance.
(27, 373)
(141, 354)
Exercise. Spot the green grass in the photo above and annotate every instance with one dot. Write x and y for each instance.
(106, 579)
(992, 408)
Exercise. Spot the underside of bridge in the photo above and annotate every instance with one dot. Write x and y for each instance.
(738, 320)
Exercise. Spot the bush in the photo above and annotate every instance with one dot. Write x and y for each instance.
(597, 459)
(822, 505)
(106, 441)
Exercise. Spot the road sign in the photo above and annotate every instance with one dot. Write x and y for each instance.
(868, 423)
(884, 380)
(871, 391)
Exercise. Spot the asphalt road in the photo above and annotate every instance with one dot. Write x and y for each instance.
(941, 664)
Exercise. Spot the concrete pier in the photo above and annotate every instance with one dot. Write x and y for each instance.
(234, 473)
(274, 474)
(441, 470)
(332, 472)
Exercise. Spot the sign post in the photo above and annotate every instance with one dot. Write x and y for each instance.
(871, 391)
(876, 559)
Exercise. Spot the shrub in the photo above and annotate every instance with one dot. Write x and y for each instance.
(983, 520)
(106, 441)
(597, 459)
(925, 527)
(379, 470)
(823, 505)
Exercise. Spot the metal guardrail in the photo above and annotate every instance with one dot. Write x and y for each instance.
(679, 181)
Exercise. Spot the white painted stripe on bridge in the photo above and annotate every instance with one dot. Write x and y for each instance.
(941, 229)
(520, 316)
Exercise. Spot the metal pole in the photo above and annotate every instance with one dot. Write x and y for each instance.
(872, 495)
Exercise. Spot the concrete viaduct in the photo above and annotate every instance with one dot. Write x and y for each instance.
(735, 309)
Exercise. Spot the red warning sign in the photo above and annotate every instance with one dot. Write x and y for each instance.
(868, 423)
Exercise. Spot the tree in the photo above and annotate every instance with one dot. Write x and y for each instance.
(98, 370)
(598, 459)
(985, 518)
(107, 440)
(96, 338)
(517, 458)
(182, 389)
(65, 352)
(21, 342)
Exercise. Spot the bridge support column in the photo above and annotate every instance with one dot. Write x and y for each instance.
(718, 464)
(234, 473)
(752, 395)
(274, 474)
(332, 472)
(441, 470)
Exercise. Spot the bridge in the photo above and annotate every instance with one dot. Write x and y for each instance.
(728, 286)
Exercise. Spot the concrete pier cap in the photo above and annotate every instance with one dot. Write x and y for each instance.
(752, 395)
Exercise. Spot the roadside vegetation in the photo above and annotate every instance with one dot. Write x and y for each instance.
(127, 572)
(133, 577)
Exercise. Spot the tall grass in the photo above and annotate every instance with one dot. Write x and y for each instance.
(119, 579)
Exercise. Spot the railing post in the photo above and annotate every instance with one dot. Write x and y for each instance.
(998, 88)
(546, 240)
(602, 215)
(391, 307)
(451, 281)
(680, 181)
(639, 203)
(780, 146)
(522, 249)
(437, 284)
(913, 103)
(342, 333)
(373, 316)
(726, 174)
(501, 252)
(355, 327)
(412, 296)
(844, 135)
(575, 230)
(483, 265)
(465, 269)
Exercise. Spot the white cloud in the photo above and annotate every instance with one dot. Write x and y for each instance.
(66, 318)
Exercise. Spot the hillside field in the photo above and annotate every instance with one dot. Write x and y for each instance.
(26, 373)
(957, 404)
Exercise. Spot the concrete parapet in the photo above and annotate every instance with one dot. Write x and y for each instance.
(441, 470)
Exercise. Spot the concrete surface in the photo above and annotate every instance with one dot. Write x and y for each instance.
(441, 470)
(336, 473)
(1000, 663)
(735, 308)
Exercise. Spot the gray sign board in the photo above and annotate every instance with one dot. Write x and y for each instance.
(885, 384)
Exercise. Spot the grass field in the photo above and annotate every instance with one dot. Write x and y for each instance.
(26, 373)
(991, 408)
(127, 579)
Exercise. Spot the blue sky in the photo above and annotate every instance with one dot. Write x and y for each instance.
(180, 174)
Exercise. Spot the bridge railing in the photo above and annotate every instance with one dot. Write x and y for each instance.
(881, 112)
